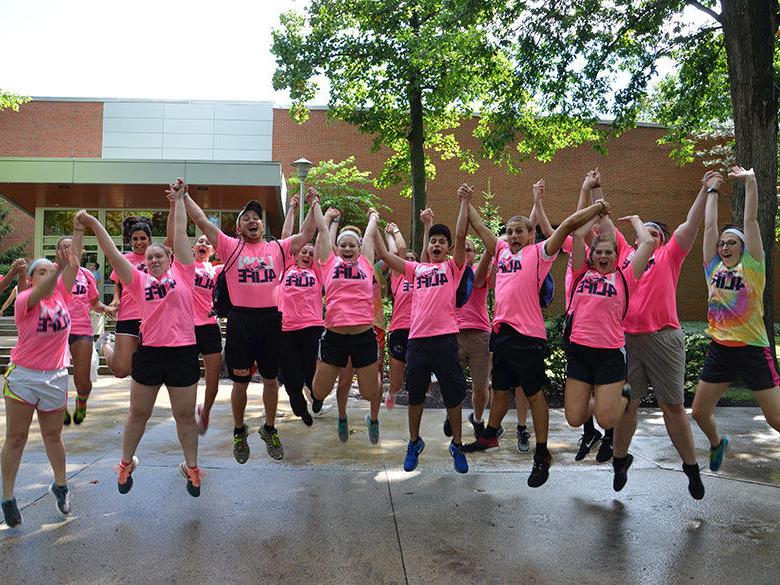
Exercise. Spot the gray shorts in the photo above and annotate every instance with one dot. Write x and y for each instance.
(474, 355)
(46, 391)
(657, 360)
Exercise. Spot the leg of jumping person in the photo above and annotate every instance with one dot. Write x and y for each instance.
(578, 402)
(294, 368)
(396, 381)
(18, 417)
(344, 385)
(212, 364)
(81, 354)
(609, 403)
(523, 436)
(369, 389)
(769, 401)
(183, 400)
(119, 358)
(142, 399)
(324, 378)
(51, 433)
(704, 402)
(540, 416)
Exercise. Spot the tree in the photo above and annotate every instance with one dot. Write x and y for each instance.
(10, 253)
(343, 186)
(407, 72)
(11, 101)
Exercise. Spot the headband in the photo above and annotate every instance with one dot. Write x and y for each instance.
(649, 224)
(350, 233)
(737, 232)
(34, 264)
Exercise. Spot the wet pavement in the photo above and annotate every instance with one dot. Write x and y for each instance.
(348, 513)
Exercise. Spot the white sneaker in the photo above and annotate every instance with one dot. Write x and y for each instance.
(325, 409)
(105, 337)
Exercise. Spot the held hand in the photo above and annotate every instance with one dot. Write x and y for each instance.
(176, 190)
(20, 265)
(332, 214)
(465, 191)
(311, 196)
(592, 179)
(426, 216)
(295, 201)
(85, 218)
(740, 174)
(110, 311)
(372, 211)
(712, 180)
(538, 190)
(391, 228)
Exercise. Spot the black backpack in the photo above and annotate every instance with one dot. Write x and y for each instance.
(465, 286)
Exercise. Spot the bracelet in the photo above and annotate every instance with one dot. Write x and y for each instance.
(397, 231)
(336, 220)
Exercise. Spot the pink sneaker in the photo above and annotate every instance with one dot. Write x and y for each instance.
(390, 401)
(201, 421)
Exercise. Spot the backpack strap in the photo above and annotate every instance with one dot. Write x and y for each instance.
(284, 260)
(625, 288)
(233, 256)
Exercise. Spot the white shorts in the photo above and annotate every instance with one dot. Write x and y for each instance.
(44, 390)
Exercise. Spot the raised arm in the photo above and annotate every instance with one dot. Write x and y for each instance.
(750, 221)
(645, 248)
(686, 233)
(22, 283)
(396, 263)
(579, 235)
(395, 240)
(73, 260)
(489, 239)
(553, 244)
(538, 216)
(289, 220)
(323, 247)
(710, 240)
(182, 248)
(367, 249)
(426, 217)
(169, 226)
(309, 225)
(196, 215)
(120, 264)
(13, 272)
(592, 185)
(46, 287)
(482, 273)
(462, 224)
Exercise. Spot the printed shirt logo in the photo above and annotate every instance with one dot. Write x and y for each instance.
(53, 319)
(627, 261)
(509, 263)
(156, 290)
(256, 269)
(302, 279)
(430, 276)
(205, 280)
(725, 279)
(594, 283)
(79, 285)
(348, 271)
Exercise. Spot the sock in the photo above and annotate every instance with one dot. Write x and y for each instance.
(268, 429)
(415, 442)
(609, 433)
(521, 428)
(343, 419)
(541, 450)
(239, 431)
(373, 421)
(476, 421)
(489, 432)
(619, 461)
(588, 427)
(458, 445)
(692, 469)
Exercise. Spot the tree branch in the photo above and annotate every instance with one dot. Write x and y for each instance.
(704, 9)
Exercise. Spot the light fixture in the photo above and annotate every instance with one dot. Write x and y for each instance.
(302, 167)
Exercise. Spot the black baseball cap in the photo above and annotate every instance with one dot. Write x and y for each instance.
(253, 205)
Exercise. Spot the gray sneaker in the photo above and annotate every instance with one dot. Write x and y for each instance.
(241, 446)
(11, 513)
(273, 443)
(343, 430)
(105, 337)
(62, 495)
(523, 436)
(373, 430)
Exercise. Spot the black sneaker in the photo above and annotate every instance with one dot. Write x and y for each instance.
(620, 467)
(11, 513)
(316, 405)
(447, 427)
(62, 495)
(586, 444)
(241, 446)
(65, 417)
(540, 472)
(605, 450)
(479, 427)
(695, 486)
(307, 419)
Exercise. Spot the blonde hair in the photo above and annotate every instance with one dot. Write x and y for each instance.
(521, 219)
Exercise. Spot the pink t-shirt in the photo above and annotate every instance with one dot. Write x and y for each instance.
(300, 298)
(349, 293)
(43, 330)
(83, 293)
(519, 278)
(166, 306)
(253, 278)
(474, 314)
(128, 308)
(598, 304)
(433, 300)
(653, 305)
(402, 291)
(202, 301)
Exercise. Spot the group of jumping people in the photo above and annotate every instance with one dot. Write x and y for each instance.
(309, 312)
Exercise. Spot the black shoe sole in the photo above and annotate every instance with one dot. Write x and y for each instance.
(125, 487)
(535, 481)
(307, 419)
(447, 428)
(621, 476)
(192, 490)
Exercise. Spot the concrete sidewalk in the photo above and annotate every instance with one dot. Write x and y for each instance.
(348, 513)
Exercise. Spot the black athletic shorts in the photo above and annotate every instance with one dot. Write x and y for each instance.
(518, 361)
(436, 355)
(253, 335)
(128, 327)
(337, 348)
(74, 338)
(208, 338)
(751, 363)
(396, 344)
(172, 366)
(594, 365)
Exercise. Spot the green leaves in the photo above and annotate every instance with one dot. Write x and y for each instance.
(11, 101)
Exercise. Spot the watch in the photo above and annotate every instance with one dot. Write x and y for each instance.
(712, 190)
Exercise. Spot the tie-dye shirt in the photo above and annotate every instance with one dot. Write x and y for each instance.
(736, 304)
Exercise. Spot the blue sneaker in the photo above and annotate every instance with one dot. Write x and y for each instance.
(458, 459)
(373, 429)
(717, 454)
(343, 429)
(413, 450)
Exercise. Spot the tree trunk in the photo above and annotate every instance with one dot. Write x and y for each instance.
(417, 158)
(749, 28)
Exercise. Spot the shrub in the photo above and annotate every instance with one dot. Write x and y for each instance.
(695, 351)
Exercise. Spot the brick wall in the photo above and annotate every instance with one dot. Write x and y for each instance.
(638, 177)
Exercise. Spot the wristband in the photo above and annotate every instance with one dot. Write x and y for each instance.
(712, 190)
(397, 231)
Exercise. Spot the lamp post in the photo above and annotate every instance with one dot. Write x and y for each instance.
(302, 167)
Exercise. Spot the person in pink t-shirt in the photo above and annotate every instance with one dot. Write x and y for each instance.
(520, 340)
(119, 348)
(433, 332)
(167, 353)
(253, 269)
(84, 298)
(347, 276)
(37, 377)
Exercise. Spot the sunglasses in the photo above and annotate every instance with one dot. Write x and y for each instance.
(729, 243)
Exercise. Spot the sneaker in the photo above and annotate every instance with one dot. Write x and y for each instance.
(316, 406)
(389, 401)
(61, 494)
(273, 443)
(447, 427)
(459, 458)
(695, 485)
(540, 472)
(343, 429)
(125, 475)
(105, 337)
(481, 444)
(479, 427)
(11, 513)
(413, 450)
(65, 417)
(192, 475)
(241, 446)
(373, 430)
(586, 444)
(324, 409)
(201, 421)
(79, 414)
(306, 418)
(717, 454)
(523, 443)
(620, 467)
(500, 431)
(605, 450)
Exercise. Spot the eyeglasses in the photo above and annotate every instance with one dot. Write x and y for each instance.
(729, 243)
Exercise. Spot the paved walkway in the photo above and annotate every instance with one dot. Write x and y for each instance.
(348, 513)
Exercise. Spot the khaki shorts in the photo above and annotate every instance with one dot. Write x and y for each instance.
(473, 353)
(657, 360)
(44, 390)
